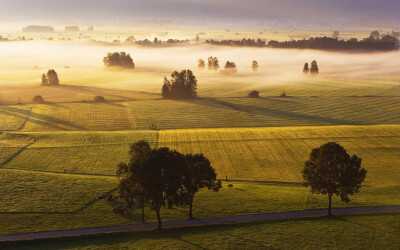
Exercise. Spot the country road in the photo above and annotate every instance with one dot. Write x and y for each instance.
(199, 222)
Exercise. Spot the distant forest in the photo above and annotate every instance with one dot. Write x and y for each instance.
(386, 43)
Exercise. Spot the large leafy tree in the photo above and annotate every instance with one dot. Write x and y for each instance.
(131, 187)
(198, 174)
(120, 59)
(330, 171)
(182, 85)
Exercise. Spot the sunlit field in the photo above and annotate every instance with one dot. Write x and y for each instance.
(58, 156)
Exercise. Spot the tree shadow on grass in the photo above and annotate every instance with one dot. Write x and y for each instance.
(344, 219)
(44, 120)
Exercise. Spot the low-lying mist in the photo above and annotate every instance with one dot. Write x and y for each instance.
(276, 66)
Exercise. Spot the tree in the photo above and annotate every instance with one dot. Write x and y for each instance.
(213, 63)
(335, 35)
(131, 188)
(201, 64)
(198, 174)
(306, 69)
(229, 68)
(375, 34)
(162, 179)
(52, 78)
(314, 68)
(182, 85)
(254, 66)
(45, 82)
(330, 171)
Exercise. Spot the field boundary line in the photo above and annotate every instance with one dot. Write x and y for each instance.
(199, 222)
(26, 119)
(17, 153)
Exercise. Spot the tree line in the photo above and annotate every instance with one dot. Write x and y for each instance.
(386, 43)
(163, 178)
(374, 42)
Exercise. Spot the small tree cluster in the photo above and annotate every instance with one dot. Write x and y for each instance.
(99, 98)
(119, 59)
(50, 79)
(201, 64)
(314, 70)
(182, 85)
(213, 63)
(254, 66)
(229, 68)
(163, 178)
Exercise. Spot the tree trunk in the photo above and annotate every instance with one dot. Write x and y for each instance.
(143, 214)
(191, 207)
(330, 205)
(158, 219)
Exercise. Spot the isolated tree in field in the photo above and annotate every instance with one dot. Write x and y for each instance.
(120, 59)
(99, 98)
(201, 64)
(254, 66)
(314, 70)
(335, 34)
(182, 85)
(45, 82)
(330, 170)
(306, 69)
(131, 187)
(198, 174)
(213, 63)
(52, 78)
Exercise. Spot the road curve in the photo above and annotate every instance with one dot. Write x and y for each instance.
(199, 222)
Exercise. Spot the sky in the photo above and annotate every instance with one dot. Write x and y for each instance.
(225, 10)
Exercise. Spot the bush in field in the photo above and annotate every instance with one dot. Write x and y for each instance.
(38, 99)
(330, 170)
(119, 60)
(50, 79)
(182, 85)
(283, 94)
(254, 94)
(99, 98)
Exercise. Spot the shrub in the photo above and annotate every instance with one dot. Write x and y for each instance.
(38, 99)
(254, 94)
(99, 98)
(283, 94)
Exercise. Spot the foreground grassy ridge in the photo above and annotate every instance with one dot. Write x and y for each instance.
(264, 154)
(342, 232)
(52, 208)
(204, 113)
